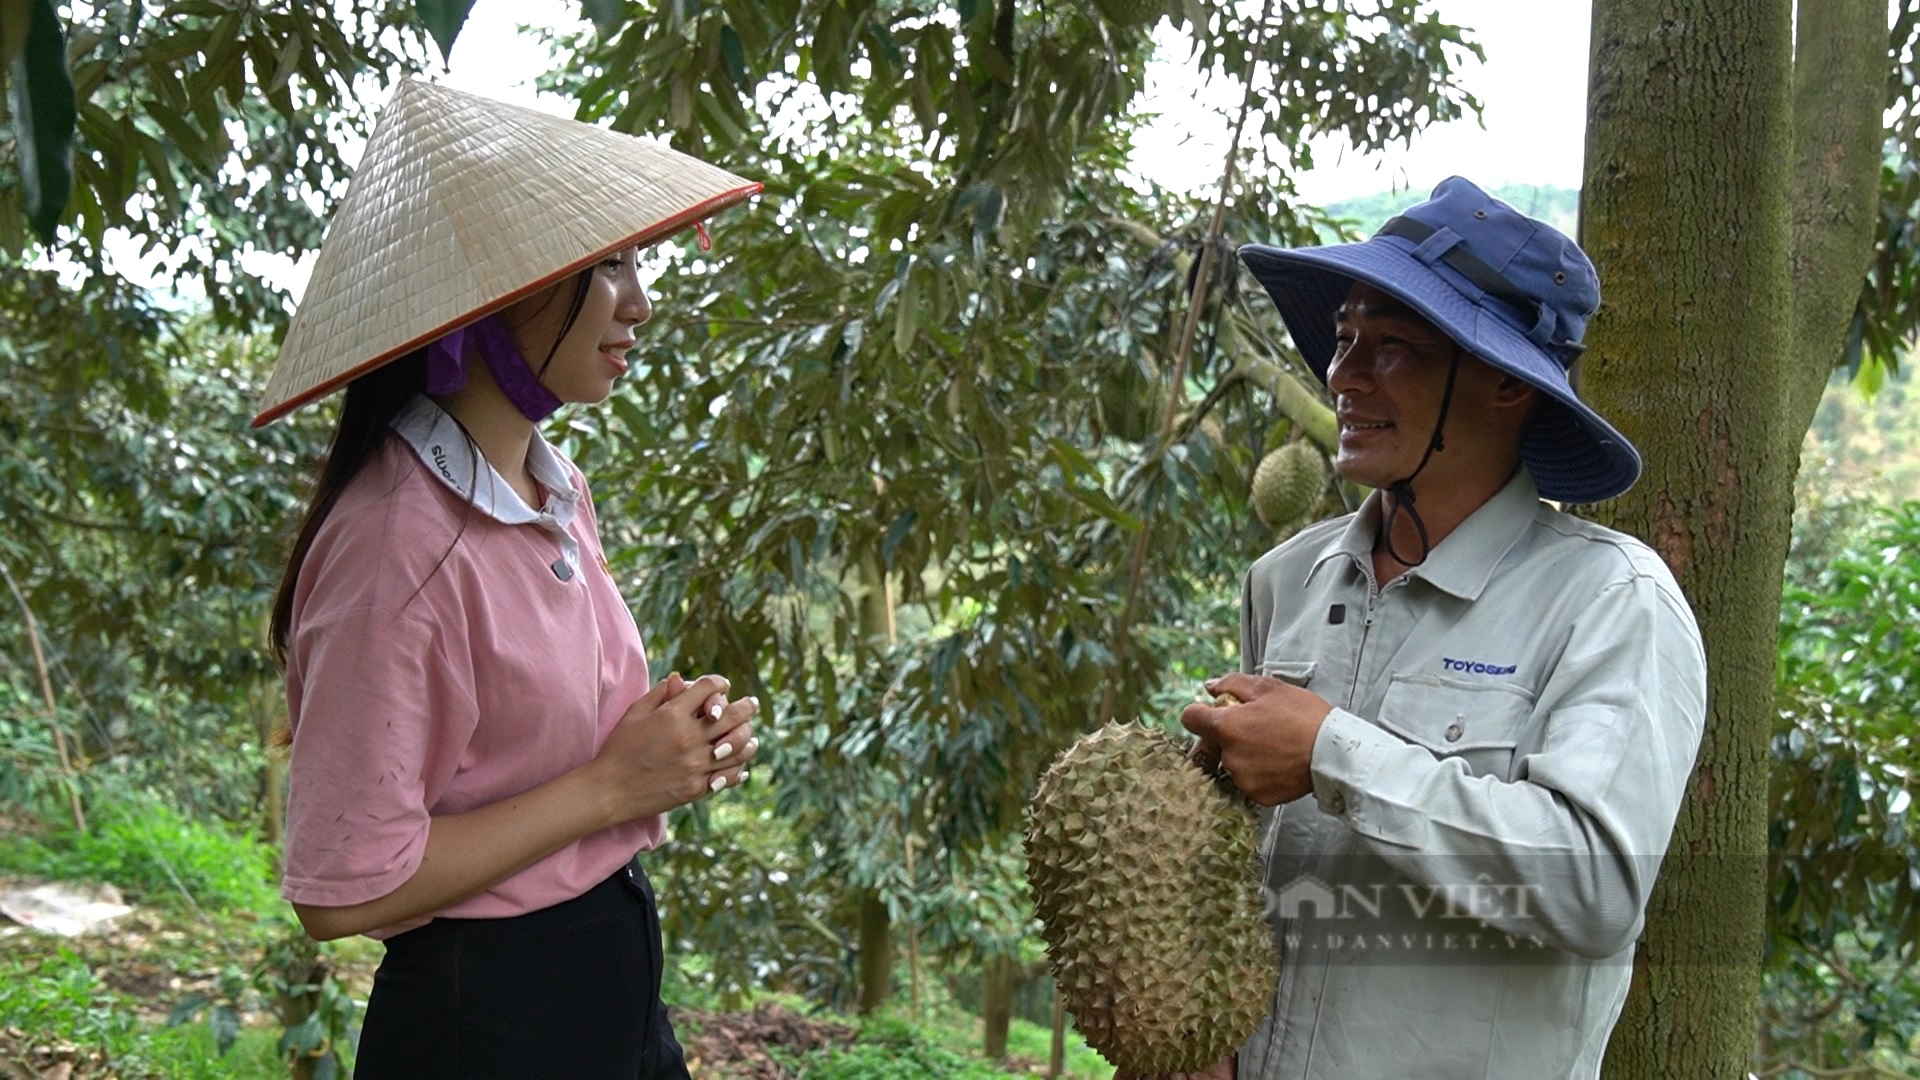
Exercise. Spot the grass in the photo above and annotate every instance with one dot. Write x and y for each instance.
(149, 851)
(936, 1042)
(63, 1007)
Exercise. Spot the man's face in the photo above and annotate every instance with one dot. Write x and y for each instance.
(1388, 376)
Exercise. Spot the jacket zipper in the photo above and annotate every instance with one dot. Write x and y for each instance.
(1366, 627)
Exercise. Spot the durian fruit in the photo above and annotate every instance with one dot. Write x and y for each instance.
(1146, 883)
(1124, 13)
(1287, 483)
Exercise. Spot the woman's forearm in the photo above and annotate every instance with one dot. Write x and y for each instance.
(469, 852)
(662, 754)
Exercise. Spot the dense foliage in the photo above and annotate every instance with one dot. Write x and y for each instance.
(1845, 861)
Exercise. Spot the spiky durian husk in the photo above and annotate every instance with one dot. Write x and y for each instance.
(1146, 883)
(1287, 483)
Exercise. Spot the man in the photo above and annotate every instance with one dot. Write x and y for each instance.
(1472, 715)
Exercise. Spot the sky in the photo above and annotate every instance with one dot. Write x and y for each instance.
(1532, 87)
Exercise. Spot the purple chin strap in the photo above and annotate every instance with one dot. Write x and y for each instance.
(447, 367)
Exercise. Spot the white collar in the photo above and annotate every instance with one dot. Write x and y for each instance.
(443, 445)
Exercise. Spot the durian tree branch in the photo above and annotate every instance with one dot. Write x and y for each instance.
(1176, 385)
(1295, 400)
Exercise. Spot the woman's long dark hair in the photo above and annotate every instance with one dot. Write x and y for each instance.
(372, 401)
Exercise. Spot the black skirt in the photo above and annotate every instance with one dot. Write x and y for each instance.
(567, 991)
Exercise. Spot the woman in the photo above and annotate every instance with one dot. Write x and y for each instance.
(478, 752)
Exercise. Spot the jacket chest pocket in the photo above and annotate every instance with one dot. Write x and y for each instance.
(1477, 722)
(1297, 672)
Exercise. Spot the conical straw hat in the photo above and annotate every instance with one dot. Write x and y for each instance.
(463, 205)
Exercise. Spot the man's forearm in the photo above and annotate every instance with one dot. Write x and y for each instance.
(1520, 856)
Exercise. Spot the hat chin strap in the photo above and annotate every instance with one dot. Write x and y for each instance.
(447, 367)
(1402, 490)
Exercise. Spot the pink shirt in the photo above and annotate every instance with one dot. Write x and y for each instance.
(445, 656)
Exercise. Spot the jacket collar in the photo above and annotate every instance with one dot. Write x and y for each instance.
(1463, 563)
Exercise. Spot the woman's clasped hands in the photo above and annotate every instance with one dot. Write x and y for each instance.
(680, 741)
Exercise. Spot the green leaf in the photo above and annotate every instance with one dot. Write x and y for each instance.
(44, 115)
(226, 1027)
(186, 1009)
(443, 19)
(896, 535)
(288, 63)
(680, 102)
(1871, 376)
(736, 56)
(604, 14)
(303, 1038)
(185, 138)
(906, 313)
(173, 47)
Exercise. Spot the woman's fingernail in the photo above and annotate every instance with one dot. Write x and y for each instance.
(719, 781)
(744, 773)
(752, 745)
(713, 711)
(725, 751)
(756, 702)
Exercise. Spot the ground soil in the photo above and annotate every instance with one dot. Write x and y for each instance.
(736, 1046)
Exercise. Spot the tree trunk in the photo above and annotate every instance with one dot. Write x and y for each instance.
(876, 951)
(273, 773)
(1057, 1046)
(1685, 214)
(876, 931)
(1839, 72)
(998, 976)
(1695, 356)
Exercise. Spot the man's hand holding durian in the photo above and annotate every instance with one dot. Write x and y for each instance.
(1265, 741)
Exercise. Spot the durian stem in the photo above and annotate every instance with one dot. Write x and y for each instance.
(1176, 385)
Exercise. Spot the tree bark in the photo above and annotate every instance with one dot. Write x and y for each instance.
(876, 929)
(1685, 214)
(997, 982)
(273, 772)
(1057, 1045)
(1709, 360)
(1839, 72)
(876, 951)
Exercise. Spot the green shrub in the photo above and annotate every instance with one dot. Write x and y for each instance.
(57, 999)
(150, 852)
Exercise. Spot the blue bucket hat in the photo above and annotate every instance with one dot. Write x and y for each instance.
(1513, 291)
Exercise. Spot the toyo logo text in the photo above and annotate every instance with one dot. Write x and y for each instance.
(1475, 667)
